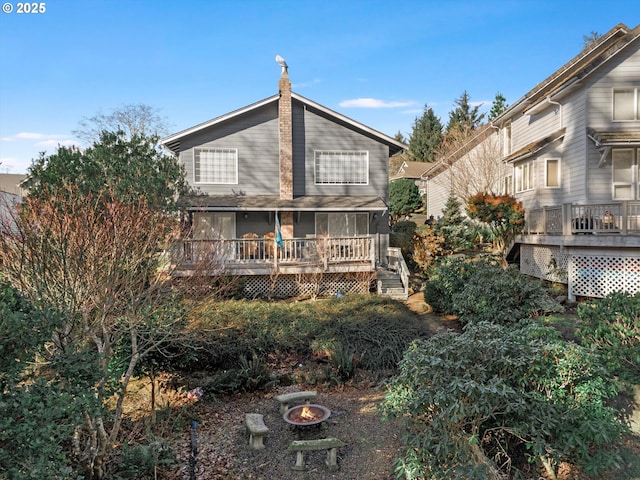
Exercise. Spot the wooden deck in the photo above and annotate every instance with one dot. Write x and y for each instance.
(262, 256)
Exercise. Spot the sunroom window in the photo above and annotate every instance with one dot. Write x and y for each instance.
(342, 224)
(524, 176)
(215, 165)
(341, 168)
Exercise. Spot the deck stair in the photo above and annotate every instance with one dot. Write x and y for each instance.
(390, 285)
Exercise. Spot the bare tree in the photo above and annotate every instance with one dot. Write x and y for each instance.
(472, 162)
(94, 260)
(134, 120)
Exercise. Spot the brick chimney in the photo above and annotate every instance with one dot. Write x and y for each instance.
(286, 136)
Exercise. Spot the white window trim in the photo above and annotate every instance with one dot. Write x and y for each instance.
(634, 184)
(530, 176)
(636, 111)
(361, 152)
(196, 149)
(546, 171)
(507, 186)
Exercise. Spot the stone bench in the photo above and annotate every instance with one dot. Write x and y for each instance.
(328, 444)
(257, 430)
(294, 397)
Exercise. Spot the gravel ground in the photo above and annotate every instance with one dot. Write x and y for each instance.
(223, 449)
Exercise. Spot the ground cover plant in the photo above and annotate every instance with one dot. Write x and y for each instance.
(236, 340)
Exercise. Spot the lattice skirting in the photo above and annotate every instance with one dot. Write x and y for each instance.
(306, 285)
(545, 262)
(587, 275)
(599, 275)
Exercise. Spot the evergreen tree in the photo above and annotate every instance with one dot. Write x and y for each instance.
(498, 106)
(464, 117)
(404, 198)
(453, 227)
(400, 137)
(426, 136)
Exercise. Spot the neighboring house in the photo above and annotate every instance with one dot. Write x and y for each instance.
(289, 194)
(11, 193)
(413, 171)
(13, 183)
(475, 166)
(572, 147)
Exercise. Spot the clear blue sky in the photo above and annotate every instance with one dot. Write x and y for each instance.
(376, 61)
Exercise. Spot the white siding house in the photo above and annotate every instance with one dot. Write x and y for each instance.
(571, 147)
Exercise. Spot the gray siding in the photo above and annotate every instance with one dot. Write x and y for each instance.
(255, 135)
(324, 134)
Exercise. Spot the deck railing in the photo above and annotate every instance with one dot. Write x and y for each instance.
(316, 250)
(620, 218)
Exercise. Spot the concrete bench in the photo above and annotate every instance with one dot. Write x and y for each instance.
(328, 444)
(257, 430)
(294, 397)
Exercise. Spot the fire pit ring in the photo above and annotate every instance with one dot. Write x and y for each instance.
(309, 414)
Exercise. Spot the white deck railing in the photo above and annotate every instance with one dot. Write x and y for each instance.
(568, 219)
(317, 250)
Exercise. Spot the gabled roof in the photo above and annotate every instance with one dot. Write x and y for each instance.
(477, 136)
(570, 76)
(411, 170)
(172, 142)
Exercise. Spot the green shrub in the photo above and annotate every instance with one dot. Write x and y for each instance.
(612, 326)
(480, 290)
(141, 461)
(475, 403)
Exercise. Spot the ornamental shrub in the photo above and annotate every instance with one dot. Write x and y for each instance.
(480, 290)
(612, 326)
(495, 399)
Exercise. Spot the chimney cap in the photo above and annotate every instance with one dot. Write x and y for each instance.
(282, 63)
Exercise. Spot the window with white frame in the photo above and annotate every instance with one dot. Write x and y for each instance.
(506, 139)
(552, 173)
(524, 176)
(624, 163)
(508, 185)
(215, 165)
(344, 224)
(626, 104)
(341, 167)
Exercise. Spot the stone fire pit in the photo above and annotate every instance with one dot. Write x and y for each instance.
(303, 415)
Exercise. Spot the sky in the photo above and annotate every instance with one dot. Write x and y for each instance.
(379, 62)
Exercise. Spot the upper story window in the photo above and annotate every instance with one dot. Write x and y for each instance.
(506, 140)
(215, 165)
(626, 104)
(524, 176)
(341, 168)
(552, 173)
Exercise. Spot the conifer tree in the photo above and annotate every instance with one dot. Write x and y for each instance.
(426, 136)
(464, 117)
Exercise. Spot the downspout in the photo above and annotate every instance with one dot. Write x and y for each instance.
(559, 107)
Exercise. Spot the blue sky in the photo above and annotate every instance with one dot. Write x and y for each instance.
(376, 61)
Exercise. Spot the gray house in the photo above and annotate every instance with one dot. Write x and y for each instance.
(288, 194)
(571, 148)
